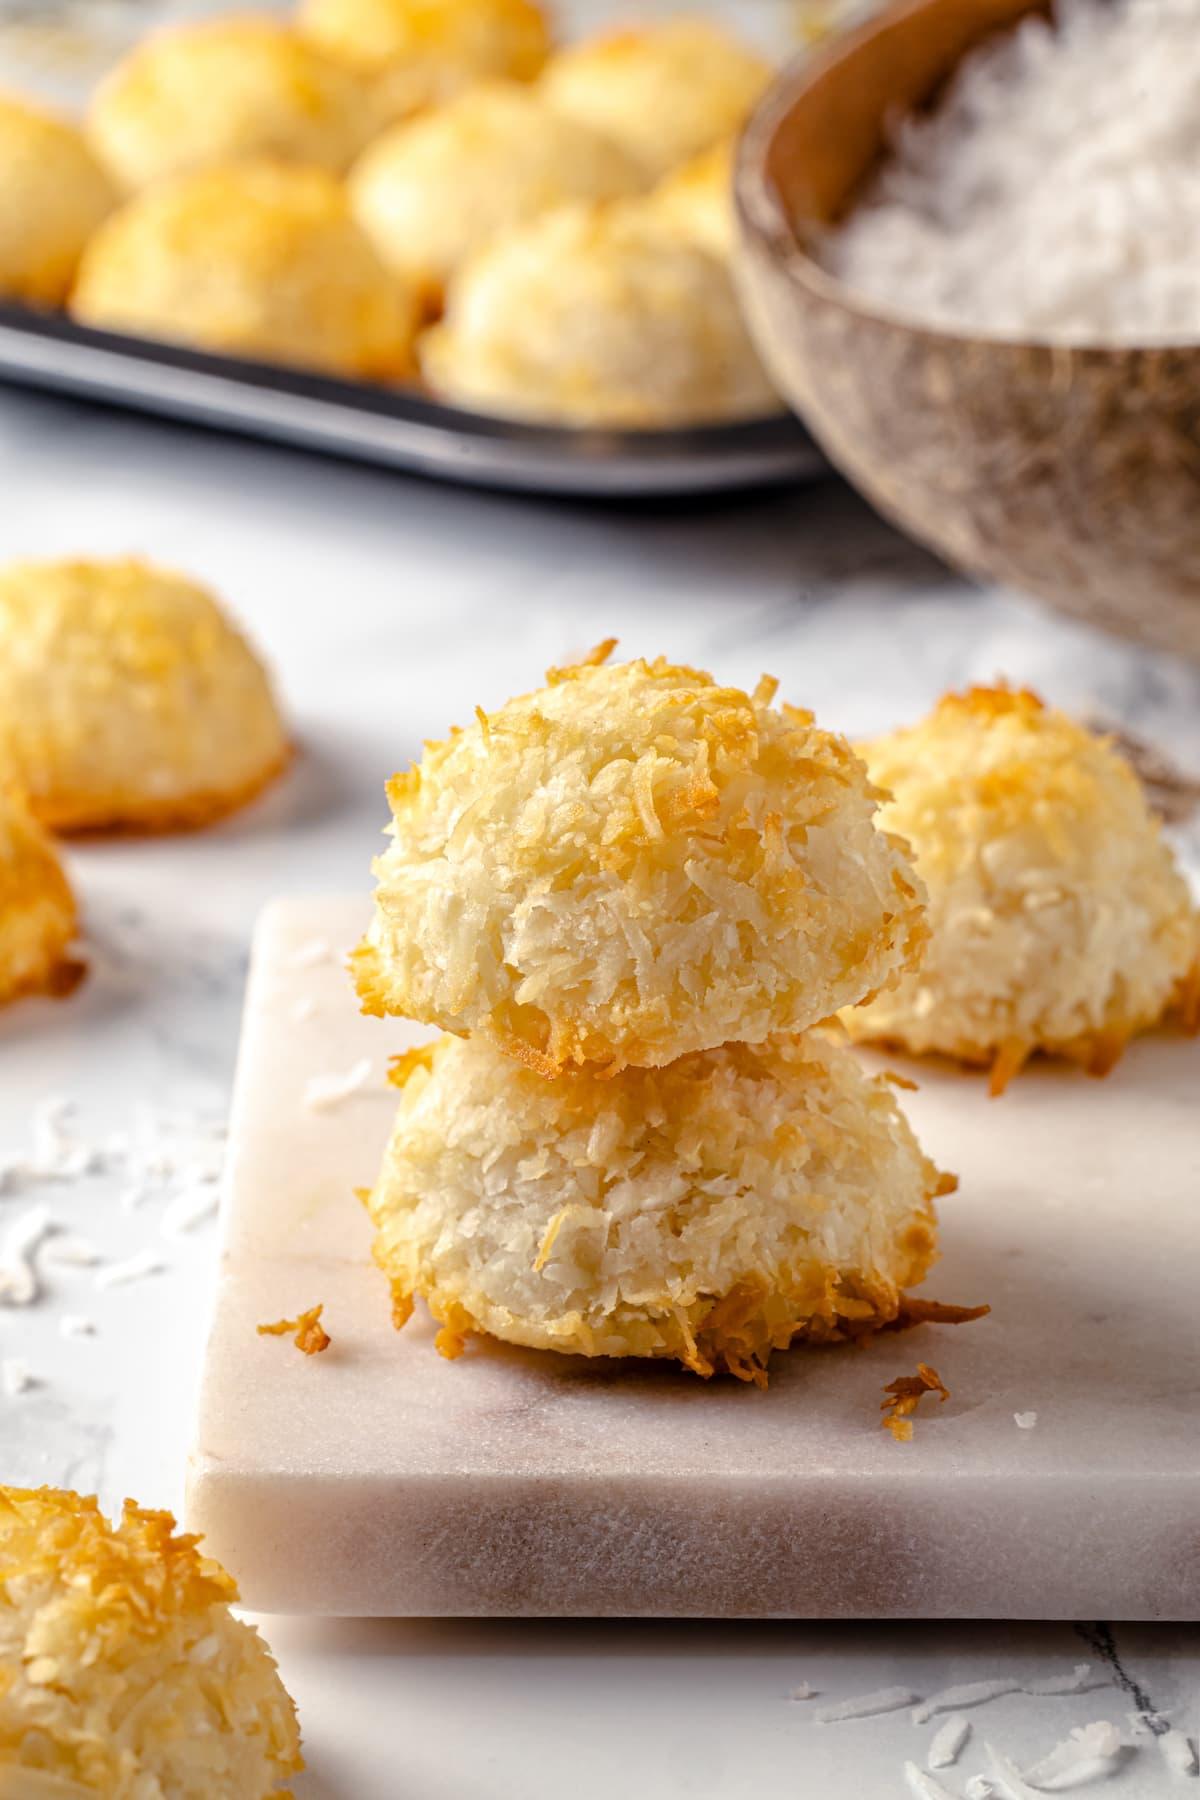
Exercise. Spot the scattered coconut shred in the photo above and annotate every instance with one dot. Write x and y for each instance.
(306, 1331)
(1054, 193)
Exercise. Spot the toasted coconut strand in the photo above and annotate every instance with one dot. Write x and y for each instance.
(1009, 1060)
(915, 1311)
(904, 1395)
(595, 658)
(310, 1335)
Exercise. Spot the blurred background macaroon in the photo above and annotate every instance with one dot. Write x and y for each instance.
(38, 918)
(53, 195)
(434, 190)
(597, 315)
(418, 52)
(255, 259)
(128, 699)
(665, 91)
(211, 92)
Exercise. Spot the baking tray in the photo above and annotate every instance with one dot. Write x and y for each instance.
(398, 428)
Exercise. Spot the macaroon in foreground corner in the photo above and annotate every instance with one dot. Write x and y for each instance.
(1059, 921)
(709, 1212)
(38, 918)
(128, 699)
(123, 1673)
(634, 863)
(256, 259)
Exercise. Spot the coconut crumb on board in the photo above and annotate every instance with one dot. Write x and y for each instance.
(978, 1788)
(904, 1395)
(966, 1693)
(324, 1092)
(802, 1691)
(72, 1251)
(924, 1786)
(1077, 1682)
(948, 1741)
(15, 1376)
(19, 1282)
(308, 955)
(865, 1706)
(1025, 1420)
(306, 1330)
(75, 1325)
(187, 1210)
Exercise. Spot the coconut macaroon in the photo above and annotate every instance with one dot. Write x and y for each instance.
(37, 909)
(711, 1211)
(631, 864)
(221, 89)
(432, 191)
(255, 259)
(123, 1672)
(1059, 921)
(128, 698)
(53, 194)
(597, 315)
(697, 200)
(665, 91)
(419, 52)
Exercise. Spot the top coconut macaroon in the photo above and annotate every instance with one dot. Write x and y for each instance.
(631, 864)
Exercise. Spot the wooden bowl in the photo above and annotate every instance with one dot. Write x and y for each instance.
(1071, 473)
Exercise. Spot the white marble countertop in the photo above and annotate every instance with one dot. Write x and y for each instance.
(388, 608)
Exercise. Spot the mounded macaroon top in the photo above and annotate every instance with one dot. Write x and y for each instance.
(220, 89)
(128, 698)
(697, 200)
(1059, 921)
(37, 909)
(53, 195)
(438, 188)
(711, 1212)
(634, 863)
(123, 1673)
(666, 91)
(601, 315)
(255, 259)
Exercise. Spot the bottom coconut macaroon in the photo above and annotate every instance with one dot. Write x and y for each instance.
(710, 1211)
(1058, 919)
(37, 909)
(123, 1673)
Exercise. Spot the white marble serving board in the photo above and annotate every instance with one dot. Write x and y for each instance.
(379, 1479)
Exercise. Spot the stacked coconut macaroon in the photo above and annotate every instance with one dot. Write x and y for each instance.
(628, 899)
(393, 190)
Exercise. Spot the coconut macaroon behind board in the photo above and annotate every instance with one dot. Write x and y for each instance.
(597, 315)
(38, 918)
(128, 699)
(53, 195)
(666, 91)
(123, 1672)
(1059, 921)
(634, 863)
(435, 189)
(419, 52)
(710, 1212)
(697, 200)
(220, 89)
(255, 259)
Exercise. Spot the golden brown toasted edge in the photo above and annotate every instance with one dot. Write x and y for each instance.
(132, 815)
(63, 968)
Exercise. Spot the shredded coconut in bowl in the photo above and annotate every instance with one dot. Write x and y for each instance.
(1054, 194)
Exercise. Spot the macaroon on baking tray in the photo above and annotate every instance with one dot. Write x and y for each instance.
(420, 234)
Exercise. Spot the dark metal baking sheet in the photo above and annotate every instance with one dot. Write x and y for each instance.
(398, 428)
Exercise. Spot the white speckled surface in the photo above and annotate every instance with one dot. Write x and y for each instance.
(378, 1478)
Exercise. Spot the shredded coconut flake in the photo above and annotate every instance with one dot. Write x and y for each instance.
(978, 1788)
(924, 1786)
(1026, 1420)
(1086, 1755)
(1012, 1783)
(73, 1325)
(947, 1742)
(19, 1284)
(968, 1693)
(865, 1706)
(134, 1268)
(1077, 1682)
(802, 1691)
(323, 1092)
(309, 955)
(188, 1210)
(76, 1252)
